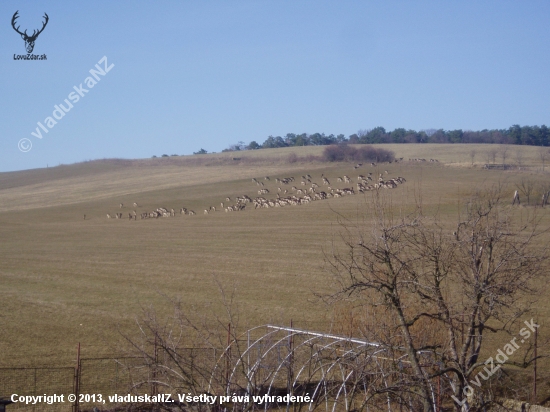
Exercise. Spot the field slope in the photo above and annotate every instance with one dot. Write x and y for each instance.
(65, 279)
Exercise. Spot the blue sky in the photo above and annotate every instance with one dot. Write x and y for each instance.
(207, 74)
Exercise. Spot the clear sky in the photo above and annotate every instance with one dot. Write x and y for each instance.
(207, 74)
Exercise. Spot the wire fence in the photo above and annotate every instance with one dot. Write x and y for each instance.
(92, 377)
(35, 382)
(269, 360)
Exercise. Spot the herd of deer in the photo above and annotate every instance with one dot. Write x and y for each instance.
(424, 160)
(308, 191)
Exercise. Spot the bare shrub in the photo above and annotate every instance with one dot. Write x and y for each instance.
(526, 186)
(544, 192)
(432, 294)
(544, 154)
(503, 149)
(344, 152)
(194, 353)
(337, 153)
(519, 158)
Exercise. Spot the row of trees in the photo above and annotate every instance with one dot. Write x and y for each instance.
(526, 135)
(290, 140)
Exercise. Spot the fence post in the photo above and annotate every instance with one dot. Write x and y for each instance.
(3, 403)
(155, 366)
(535, 370)
(76, 406)
(290, 376)
(290, 360)
(228, 358)
(439, 388)
(248, 388)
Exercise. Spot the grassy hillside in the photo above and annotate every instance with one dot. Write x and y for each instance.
(66, 280)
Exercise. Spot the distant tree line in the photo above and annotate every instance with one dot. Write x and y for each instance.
(516, 135)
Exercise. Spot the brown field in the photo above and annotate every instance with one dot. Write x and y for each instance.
(66, 280)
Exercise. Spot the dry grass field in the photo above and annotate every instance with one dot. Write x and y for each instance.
(65, 280)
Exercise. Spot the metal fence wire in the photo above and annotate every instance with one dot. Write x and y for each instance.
(105, 376)
(35, 382)
(339, 373)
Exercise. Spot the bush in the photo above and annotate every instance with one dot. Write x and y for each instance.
(343, 152)
(292, 158)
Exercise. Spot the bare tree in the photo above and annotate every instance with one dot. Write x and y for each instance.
(544, 191)
(188, 354)
(493, 152)
(526, 186)
(472, 156)
(487, 157)
(491, 155)
(519, 158)
(185, 352)
(363, 132)
(504, 153)
(544, 154)
(423, 277)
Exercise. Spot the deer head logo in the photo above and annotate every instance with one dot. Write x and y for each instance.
(29, 40)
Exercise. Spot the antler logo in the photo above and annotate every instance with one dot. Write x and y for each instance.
(29, 40)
